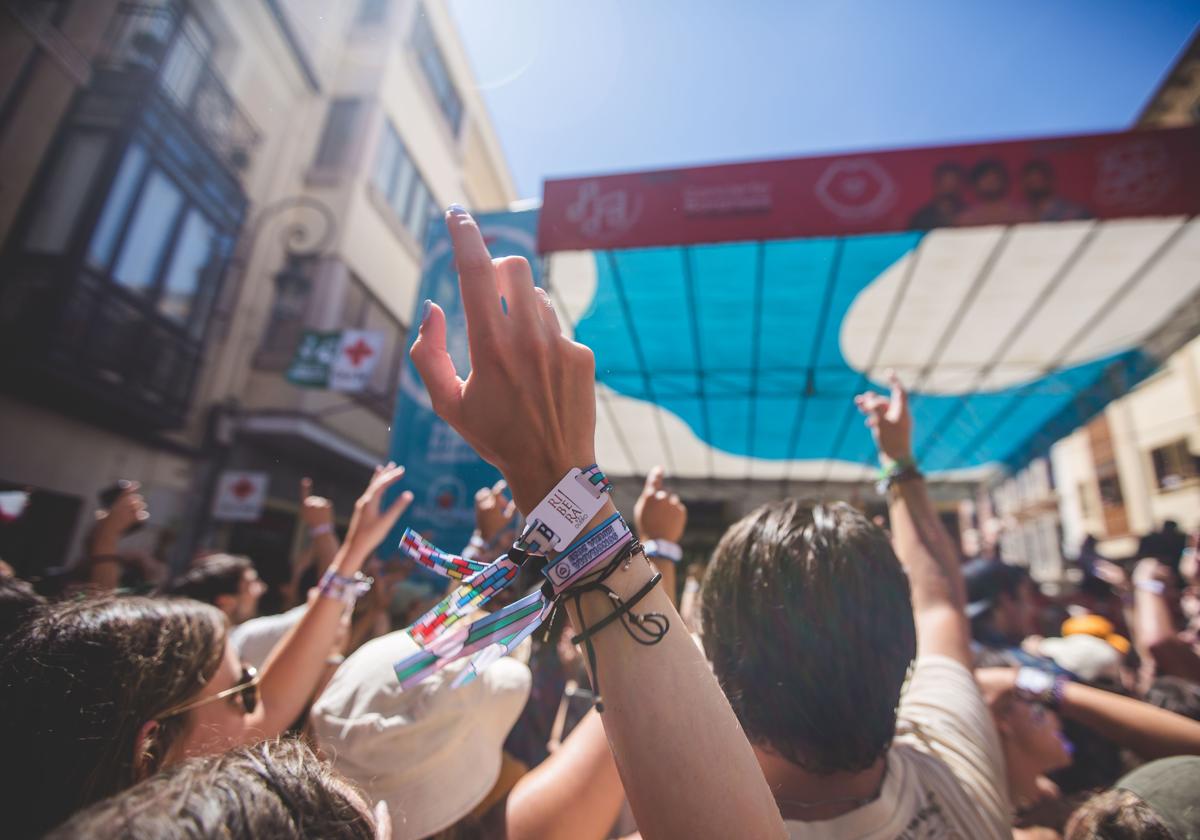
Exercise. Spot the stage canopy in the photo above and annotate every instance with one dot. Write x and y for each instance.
(1016, 287)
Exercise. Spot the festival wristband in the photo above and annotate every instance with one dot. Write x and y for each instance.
(590, 549)
(663, 550)
(320, 530)
(1038, 686)
(904, 469)
(1155, 587)
(565, 511)
(345, 589)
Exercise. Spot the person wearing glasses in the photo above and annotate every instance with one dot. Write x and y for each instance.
(99, 693)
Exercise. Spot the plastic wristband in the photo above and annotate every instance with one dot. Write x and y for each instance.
(663, 550)
(567, 509)
(1155, 587)
(345, 589)
(1038, 686)
(320, 530)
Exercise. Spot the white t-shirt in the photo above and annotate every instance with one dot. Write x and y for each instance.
(945, 771)
(255, 639)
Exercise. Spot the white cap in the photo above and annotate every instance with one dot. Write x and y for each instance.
(1085, 656)
(431, 752)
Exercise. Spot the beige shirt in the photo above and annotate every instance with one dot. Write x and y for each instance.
(945, 771)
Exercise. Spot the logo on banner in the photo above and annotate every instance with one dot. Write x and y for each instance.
(856, 190)
(240, 496)
(341, 360)
(1134, 174)
(444, 500)
(603, 214)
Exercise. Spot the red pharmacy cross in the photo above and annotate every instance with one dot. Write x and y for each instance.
(358, 351)
(242, 488)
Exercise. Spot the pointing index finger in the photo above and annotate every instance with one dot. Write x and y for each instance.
(476, 275)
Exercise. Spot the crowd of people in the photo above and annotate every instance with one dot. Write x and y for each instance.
(830, 678)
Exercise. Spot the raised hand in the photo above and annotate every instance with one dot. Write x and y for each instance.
(493, 510)
(370, 523)
(528, 405)
(659, 515)
(889, 420)
(316, 511)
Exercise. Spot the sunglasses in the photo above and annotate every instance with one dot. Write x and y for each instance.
(247, 687)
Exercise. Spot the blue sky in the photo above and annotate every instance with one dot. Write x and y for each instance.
(609, 85)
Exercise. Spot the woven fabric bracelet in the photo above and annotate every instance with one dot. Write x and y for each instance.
(345, 589)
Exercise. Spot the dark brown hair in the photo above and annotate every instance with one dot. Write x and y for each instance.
(79, 680)
(1116, 815)
(807, 620)
(211, 577)
(276, 789)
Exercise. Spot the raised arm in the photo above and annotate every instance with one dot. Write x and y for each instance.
(659, 518)
(529, 407)
(296, 665)
(1145, 729)
(918, 536)
(317, 513)
(104, 561)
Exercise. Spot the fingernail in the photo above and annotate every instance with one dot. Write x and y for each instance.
(425, 309)
(456, 210)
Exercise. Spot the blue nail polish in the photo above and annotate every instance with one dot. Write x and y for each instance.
(456, 210)
(504, 304)
(425, 307)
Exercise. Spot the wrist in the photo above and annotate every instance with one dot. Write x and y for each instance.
(531, 482)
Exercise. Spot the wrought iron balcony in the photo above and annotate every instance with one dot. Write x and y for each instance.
(160, 50)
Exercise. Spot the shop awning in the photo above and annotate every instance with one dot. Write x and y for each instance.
(735, 310)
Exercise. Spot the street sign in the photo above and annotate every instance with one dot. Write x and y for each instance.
(240, 496)
(339, 360)
(357, 355)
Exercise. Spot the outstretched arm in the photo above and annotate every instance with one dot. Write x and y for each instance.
(918, 536)
(1144, 728)
(660, 516)
(297, 663)
(529, 407)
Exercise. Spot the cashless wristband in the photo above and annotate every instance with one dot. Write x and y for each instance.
(663, 550)
(345, 589)
(1038, 686)
(587, 551)
(565, 511)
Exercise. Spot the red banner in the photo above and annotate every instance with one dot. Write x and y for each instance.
(1102, 176)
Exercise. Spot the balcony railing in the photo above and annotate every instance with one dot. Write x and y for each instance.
(160, 43)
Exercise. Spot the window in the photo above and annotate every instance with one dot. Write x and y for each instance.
(184, 64)
(1174, 465)
(341, 127)
(436, 73)
(372, 12)
(1109, 482)
(65, 192)
(398, 182)
(116, 208)
(191, 264)
(149, 233)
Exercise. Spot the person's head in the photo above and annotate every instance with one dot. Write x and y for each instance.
(1175, 694)
(1000, 601)
(101, 692)
(17, 602)
(1037, 180)
(1032, 738)
(227, 581)
(453, 771)
(947, 179)
(989, 178)
(807, 621)
(274, 789)
(1157, 801)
